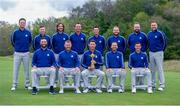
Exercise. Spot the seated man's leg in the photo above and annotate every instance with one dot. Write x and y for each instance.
(34, 77)
(35, 73)
(133, 79)
(122, 78)
(109, 74)
(85, 75)
(61, 78)
(100, 74)
(51, 72)
(147, 73)
(76, 73)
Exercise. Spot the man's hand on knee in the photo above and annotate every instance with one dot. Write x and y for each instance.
(77, 69)
(109, 70)
(61, 69)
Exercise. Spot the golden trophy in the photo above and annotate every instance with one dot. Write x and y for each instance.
(92, 61)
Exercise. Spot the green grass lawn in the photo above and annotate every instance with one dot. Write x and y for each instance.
(171, 95)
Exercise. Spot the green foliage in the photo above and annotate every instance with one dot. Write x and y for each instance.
(108, 13)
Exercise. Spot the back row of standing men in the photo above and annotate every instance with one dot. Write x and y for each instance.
(156, 41)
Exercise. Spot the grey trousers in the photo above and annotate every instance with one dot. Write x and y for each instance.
(140, 71)
(156, 65)
(122, 77)
(57, 76)
(69, 71)
(100, 76)
(80, 58)
(18, 58)
(45, 71)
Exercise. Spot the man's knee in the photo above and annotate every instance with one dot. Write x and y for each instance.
(60, 73)
(84, 73)
(34, 71)
(77, 73)
(101, 73)
(133, 71)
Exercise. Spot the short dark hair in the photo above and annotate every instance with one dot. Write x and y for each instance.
(116, 26)
(113, 42)
(137, 43)
(137, 23)
(77, 23)
(92, 41)
(22, 19)
(58, 26)
(96, 26)
(153, 21)
(41, 26)
(68, 41)
(43, 38)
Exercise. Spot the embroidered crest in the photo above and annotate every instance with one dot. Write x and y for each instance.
(48, 55)
(142, 58)
(100, 41)
(140, 37)
(117, 57)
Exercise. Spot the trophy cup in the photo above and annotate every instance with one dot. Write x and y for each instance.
(92, 63)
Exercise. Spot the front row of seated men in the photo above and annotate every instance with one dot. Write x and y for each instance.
(43, 63)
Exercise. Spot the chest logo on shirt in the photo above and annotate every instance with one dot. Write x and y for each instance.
(117, 57)
(48, 55)
(26, 35)
(72, 56)
(119, 41)
(142, 58)
(64, 38)
(82, 38)
(140, 37)
(155, 36)
(100, 41)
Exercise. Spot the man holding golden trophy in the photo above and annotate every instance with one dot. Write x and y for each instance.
(91, 61)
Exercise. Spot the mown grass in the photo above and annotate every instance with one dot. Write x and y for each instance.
(170, 96)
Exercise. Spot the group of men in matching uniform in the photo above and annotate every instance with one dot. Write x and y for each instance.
(64, 55)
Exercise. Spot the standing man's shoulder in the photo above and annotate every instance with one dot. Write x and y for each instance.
(83, 34)
(37, 36)
(86, 52)
(111, 36)
(50, 51)
(47, 36)
(90, 38)
(16, 30)
(131, 34)
(102, 37)
(133, 53)
(28, 31)
(55, 34)
(107, 53)
(120, 53)
(72, 34)
(161, 32)
(36, 51)
(74, 52)
(98, 52)
(143, 33)
(149, 33)
(120, 36)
